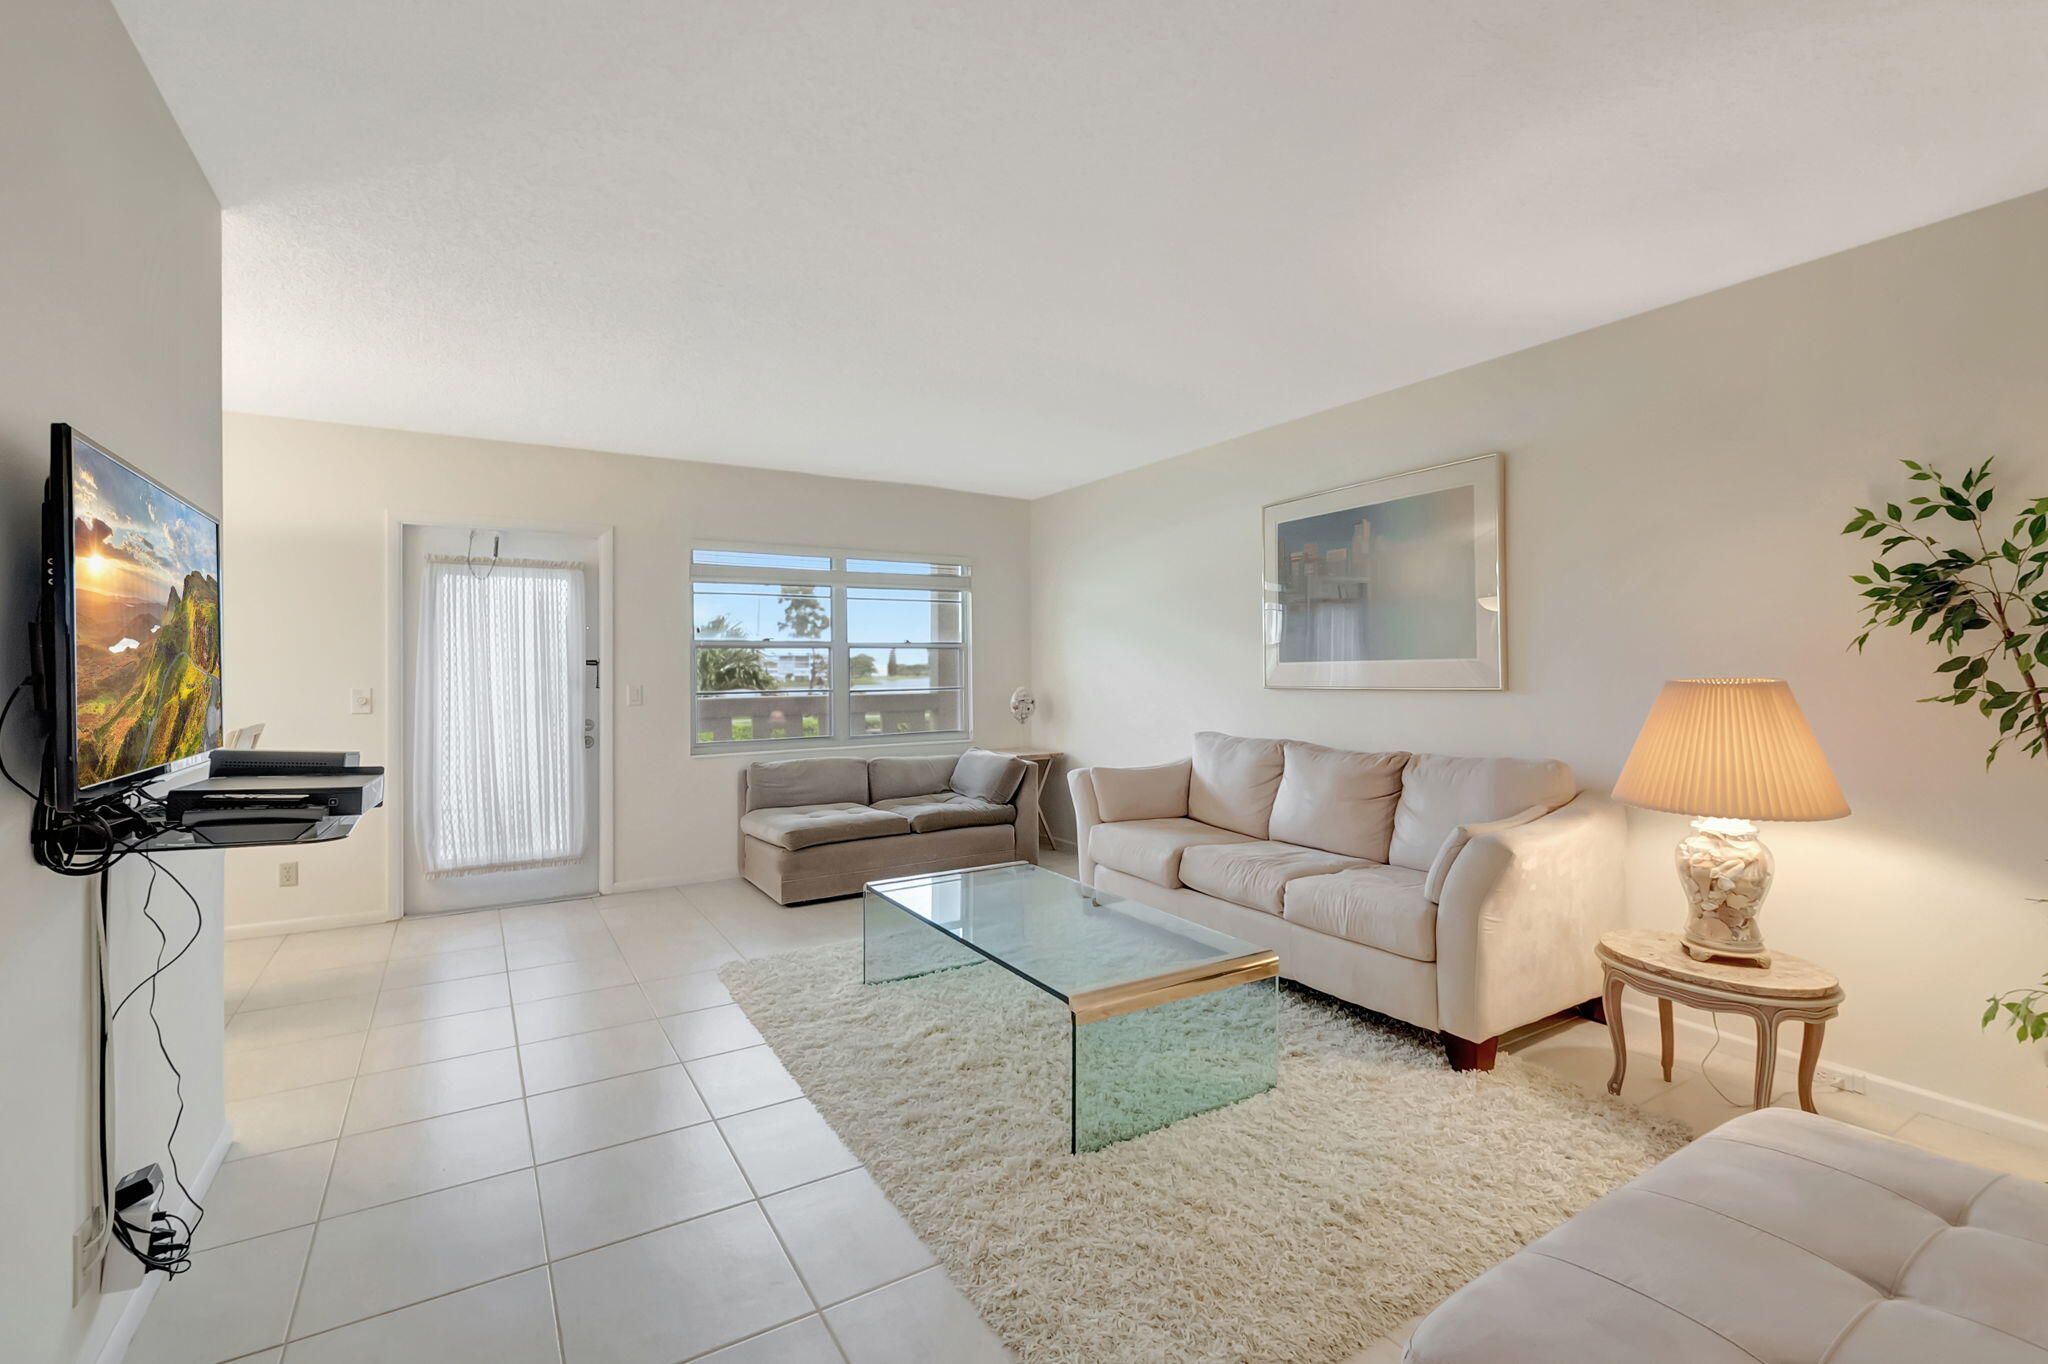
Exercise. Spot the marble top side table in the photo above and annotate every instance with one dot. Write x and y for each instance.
(1790, 988)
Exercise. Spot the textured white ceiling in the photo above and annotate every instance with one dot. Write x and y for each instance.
(1014, 245)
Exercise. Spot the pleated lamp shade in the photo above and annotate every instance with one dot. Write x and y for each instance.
(1730, 748)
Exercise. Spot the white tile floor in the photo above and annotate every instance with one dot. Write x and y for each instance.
(540, 1134)
(546, 1134)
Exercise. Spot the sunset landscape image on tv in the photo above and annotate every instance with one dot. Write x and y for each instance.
(146, 569)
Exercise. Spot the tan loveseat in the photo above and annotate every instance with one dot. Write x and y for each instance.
(1463, 895)
(814, 828)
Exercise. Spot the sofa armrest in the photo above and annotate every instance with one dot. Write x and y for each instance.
(1026, 802)
(1109, 795)
(1087, 814)
(1522, 909)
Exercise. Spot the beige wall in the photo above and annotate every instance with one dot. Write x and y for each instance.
(1676, 483)
(308, 504)
(109, 319)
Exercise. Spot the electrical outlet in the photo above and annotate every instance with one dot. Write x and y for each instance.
(1839, 1077)
(287, 873)
(88, 1243)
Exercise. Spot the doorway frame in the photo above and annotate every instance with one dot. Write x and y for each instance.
(397, 697)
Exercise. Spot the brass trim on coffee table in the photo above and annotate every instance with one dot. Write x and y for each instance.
(1092, 1006)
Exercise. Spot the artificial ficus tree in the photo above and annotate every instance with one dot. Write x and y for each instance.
(1985, 602)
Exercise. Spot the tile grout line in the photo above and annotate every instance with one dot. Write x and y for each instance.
(782, 1242)
(540, 1202)
(327, 1184)
(641, 983)
(319, 1215)
(388, 1311)
(466, 1013)
(556, 1160)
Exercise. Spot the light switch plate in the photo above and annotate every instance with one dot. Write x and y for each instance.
(636, 696)
(361, 701)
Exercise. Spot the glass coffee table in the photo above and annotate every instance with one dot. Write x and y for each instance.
(1166, 1018)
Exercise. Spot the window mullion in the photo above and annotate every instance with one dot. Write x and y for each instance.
(842, 672)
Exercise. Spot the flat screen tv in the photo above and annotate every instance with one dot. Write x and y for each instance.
(130, 649)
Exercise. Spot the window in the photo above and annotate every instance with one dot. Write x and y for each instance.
(811, 647)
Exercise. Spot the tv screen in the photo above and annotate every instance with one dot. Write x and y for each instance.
(142, 600)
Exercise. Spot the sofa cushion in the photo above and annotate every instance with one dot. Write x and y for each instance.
(1381, 907)
(1233, 782)
(1151, 849)
(1780, 1236)
(947, 810)
(1339, 801)
(1141, 792)
(806, 826)
(990, 776)
(1254, 874)
(1456, 839)
(807, 781)
(892, 777)
(1439, 793)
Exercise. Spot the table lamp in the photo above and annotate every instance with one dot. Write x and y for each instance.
(1728, 750)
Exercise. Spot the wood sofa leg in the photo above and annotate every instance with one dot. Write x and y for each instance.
(1470, 1055)
(1595, 1009)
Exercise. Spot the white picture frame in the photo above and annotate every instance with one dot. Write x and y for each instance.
(1392, 582)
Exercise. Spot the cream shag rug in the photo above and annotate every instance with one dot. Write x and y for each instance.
(1300, 1225)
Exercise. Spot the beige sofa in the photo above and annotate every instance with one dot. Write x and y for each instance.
(814, 828)
(1463, 895)
(1777, 1236)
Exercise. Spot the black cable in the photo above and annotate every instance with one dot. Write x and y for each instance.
(177, 1258)
(12, 697)
(178, 1076)
(57, 848)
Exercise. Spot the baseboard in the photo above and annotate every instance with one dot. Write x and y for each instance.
(115, 1348)
(651, 883)
(1738, 1041)
(271, 928)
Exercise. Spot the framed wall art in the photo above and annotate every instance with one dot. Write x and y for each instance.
(1394, 582)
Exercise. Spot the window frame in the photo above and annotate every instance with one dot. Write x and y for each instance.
(839, 689)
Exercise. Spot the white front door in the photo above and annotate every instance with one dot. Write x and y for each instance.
(425, 894)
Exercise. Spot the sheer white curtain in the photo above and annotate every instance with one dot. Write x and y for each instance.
(498, 739)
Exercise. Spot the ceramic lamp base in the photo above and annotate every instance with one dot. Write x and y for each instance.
(1726, 871)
